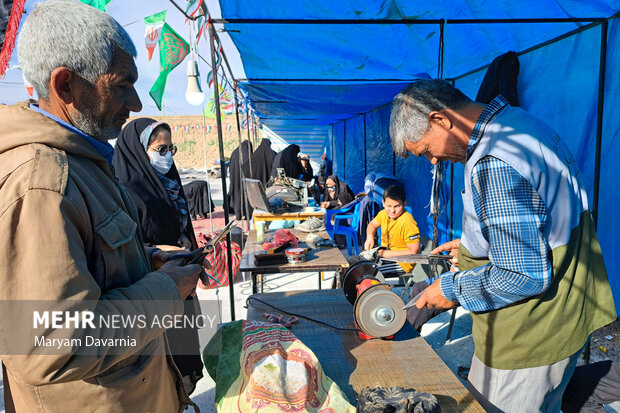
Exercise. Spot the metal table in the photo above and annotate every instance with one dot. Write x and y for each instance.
(319, 260)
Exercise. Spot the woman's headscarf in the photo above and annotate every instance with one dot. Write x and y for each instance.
(287, 159)
(262, 161)
(343, 193)
(159, 218)
(236, 195)
(158, 198)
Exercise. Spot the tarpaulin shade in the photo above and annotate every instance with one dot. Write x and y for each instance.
(317, 103)
(338, 64)
(404, 9)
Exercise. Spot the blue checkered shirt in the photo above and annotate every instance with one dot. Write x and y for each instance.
(512, 218)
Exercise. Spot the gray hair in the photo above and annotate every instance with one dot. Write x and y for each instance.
(67, 33)
(411, 107)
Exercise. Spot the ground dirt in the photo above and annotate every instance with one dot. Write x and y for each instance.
(605, 343)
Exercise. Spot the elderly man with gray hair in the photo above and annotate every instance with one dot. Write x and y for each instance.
(530, 267)
(70, 237)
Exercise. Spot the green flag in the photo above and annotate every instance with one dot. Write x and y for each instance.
(172, 51)
(98, 4)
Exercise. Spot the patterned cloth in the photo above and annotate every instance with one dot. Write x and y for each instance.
(262, 367)
(396, 400)
(513, 220)
(174, 189)
(218, 273)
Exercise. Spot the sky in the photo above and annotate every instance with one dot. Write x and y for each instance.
(131, 14)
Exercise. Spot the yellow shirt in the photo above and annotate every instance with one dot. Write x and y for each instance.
(397, 234)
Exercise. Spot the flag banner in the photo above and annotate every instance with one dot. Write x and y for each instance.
(193, 6)
(153, 25)
(201, 25)
(172, 50)
(226, 104)
(98, 4)
(10, 15)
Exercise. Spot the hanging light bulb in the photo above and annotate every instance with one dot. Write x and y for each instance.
(193, 94)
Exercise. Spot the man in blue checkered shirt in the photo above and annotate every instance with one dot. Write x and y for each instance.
(530, 266)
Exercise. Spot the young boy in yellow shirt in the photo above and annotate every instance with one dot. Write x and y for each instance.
(399, 231)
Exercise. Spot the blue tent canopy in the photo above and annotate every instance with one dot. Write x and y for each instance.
(318, 70)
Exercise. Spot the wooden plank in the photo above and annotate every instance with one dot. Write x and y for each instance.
(322, 259)
(407, 361)
(291, 216)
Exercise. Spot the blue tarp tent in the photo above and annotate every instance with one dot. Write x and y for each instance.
(325, 71)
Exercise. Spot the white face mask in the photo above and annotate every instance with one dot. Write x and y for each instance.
(161, 164)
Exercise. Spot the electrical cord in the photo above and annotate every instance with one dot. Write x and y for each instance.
(300, 316)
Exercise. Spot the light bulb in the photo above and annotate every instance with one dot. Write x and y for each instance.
(193, 94)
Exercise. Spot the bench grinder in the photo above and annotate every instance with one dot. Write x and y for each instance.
(378, 312)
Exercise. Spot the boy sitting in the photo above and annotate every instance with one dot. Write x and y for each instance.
(399, 231)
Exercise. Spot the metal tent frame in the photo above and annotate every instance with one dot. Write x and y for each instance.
(591, 23)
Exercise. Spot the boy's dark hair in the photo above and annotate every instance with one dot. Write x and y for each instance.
(395, 192)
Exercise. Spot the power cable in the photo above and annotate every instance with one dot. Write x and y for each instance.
(300, 316)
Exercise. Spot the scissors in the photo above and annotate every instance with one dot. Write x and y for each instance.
(198, 255)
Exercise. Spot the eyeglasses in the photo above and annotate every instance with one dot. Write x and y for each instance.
(163, 150)
(331, 188)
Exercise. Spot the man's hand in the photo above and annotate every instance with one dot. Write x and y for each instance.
(433, 298)
(370, 242)
(453, 249)
(184, 276)
(173, 248)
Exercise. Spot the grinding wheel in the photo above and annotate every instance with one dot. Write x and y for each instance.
(354, 274)
(379, 311)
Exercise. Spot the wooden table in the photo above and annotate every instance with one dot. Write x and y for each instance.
(290, 216)
(407, 361)
(319, 260)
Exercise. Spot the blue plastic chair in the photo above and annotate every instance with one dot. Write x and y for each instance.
(339, 228)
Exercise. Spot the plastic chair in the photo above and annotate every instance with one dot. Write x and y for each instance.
(338, 227)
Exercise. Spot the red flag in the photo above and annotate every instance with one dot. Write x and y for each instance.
(10, 15)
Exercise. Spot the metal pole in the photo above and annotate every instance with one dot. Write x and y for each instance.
(344, 150)
(406, 21)
(599, 121)
(216, 92)
(441, 49)
(451, 202)
(599, 142)
(241, 174)
(365, 168)
(204, 142)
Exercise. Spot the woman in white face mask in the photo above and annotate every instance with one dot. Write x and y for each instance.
(144, 164)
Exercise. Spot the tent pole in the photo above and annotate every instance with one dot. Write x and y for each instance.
(599, 142)
(442, 25)
(241, 174)
(406, 21)
(220, 139)
(232, 76)
(204, 143)
(599, 121)
(344, 151)
(365, 168)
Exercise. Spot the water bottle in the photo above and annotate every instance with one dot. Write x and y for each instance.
(260, 231)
